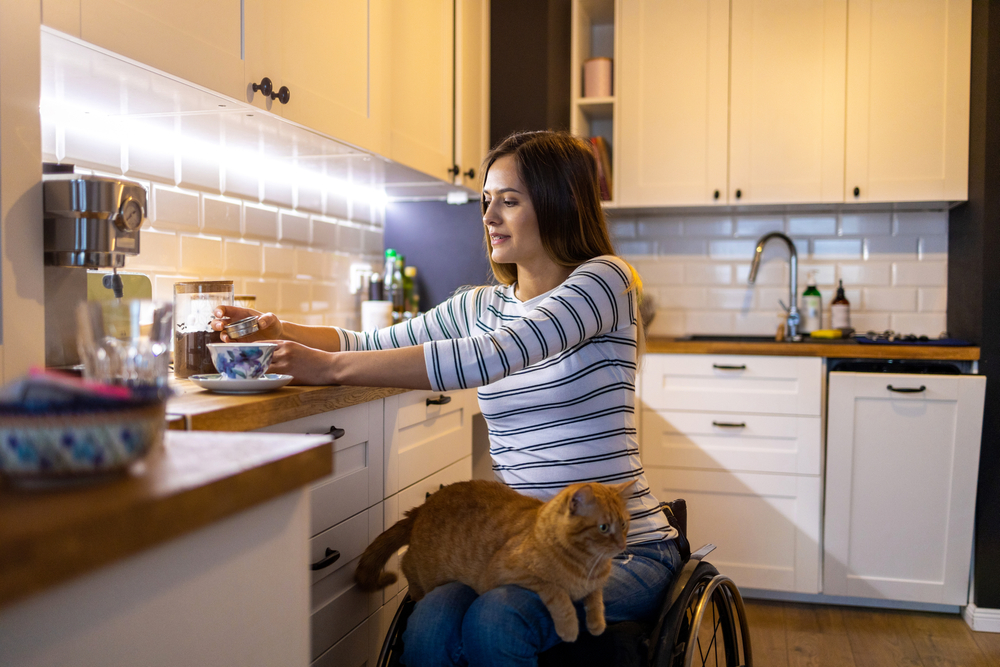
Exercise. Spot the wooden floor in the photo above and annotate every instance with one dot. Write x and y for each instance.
(794, 635)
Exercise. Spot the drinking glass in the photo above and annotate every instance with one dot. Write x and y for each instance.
(126, 342)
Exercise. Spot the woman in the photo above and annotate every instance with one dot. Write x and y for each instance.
(554, 350)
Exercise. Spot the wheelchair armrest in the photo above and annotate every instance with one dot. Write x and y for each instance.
(704, 551)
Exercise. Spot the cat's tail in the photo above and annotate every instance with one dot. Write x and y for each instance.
(369, 574)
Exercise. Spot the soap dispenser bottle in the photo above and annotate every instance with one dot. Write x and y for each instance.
(840, 310)
(812, 306)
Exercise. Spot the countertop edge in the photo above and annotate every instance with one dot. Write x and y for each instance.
(113, 529)
(830, 350)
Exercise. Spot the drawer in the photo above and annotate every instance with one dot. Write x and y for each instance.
(423, 438)
(730, 383)
(354, 650)
(337, 603)
(766, 527)
(356, 481)
(732, 441)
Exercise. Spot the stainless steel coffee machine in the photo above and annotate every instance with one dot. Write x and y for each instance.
(91, 222)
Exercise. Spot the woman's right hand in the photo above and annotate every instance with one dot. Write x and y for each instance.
(268, 323)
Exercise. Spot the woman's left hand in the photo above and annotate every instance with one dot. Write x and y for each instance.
(306, 364)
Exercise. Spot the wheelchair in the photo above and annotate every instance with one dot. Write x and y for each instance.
(702, 621)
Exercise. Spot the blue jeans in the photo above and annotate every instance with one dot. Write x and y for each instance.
(510, 626)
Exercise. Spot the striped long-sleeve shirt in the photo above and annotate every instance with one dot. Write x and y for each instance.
(556, 377)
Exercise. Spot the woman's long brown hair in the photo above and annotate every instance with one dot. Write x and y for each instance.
(560, 174)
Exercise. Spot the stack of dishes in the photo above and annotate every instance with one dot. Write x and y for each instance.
(242, 369)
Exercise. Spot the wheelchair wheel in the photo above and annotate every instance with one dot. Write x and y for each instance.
(707, 624)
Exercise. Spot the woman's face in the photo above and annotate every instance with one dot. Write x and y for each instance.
(510, 217)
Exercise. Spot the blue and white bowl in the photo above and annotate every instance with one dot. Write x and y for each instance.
(242, 361)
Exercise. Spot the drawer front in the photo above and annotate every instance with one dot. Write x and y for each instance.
(766, 526)
(356, 481)
(422, 438)
(354, 650)
(730, 383)
(732, 441)
(337, 603)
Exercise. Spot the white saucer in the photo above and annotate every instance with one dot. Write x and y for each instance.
(222, 385)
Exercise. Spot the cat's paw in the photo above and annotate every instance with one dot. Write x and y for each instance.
(568, 630)
(596, 624)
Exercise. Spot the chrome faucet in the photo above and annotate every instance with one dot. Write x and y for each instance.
(793, 318)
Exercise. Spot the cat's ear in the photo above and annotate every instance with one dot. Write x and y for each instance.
(582, 496)
(625, 488)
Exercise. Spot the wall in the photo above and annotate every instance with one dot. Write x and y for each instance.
(893, 264)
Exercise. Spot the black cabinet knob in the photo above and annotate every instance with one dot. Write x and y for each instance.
(264, 87)
(739, 193)
(470, 174)
(283, 95)
(857, 191)
(715, 195)
(329, 559)
(337, 433)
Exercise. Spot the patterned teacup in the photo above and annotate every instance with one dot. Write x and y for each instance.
(242, 361)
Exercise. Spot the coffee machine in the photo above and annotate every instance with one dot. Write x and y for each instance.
(90, 222)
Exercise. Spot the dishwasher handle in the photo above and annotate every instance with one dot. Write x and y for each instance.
(907, 390)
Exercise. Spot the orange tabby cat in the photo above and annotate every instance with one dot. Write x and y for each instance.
(485, 535)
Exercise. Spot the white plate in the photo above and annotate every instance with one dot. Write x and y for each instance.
(222, 385)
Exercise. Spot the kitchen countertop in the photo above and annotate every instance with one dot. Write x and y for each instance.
(192, 480)
(203, 410)
(841, 349)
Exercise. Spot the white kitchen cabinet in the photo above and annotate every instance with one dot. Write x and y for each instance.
(908, 65)
(786, 101)
(739, 438)
(901, 479)
(196, 40)
(673, 102)
(422, 86)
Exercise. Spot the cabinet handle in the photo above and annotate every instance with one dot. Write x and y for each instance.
(283, 95)
(722, 367)
(729, 424)
(265, 87)
(739, 193)
(715, 195)
(337, 433)
(329, 559)
(470, 174)
(857, 191)
(906, 390)
(440, 400)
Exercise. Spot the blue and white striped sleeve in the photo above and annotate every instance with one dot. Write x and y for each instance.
(597, 298)
(450, 319)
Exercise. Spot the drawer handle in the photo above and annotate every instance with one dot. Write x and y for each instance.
(723, 367)
(428, 494)
(729, 424)
(329, 559)
(337, 433)
(440, 400)
(906, 390)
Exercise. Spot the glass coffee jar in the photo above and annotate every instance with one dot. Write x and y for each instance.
(194, 308)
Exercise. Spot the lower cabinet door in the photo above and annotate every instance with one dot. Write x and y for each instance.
(766, 526)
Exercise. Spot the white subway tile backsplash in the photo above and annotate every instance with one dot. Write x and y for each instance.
(922, 324)
(865, 273)
(278, 194)
(260, 222)
(163, 284)
(932, 245)
(157, 250)
(708, 322)
(755, 227)
(926, 223)
(865, 224)
(681, 246)
(654, 228)
(890, 245)
(241, 183)
(243, 258)
(324, 297)
(768, 298)
(920, 274)
(350, 239)
(337, 206)
(266, 291)
(708, 227)
(621, 229)
(723, 298)
(175, 209)
(864, 321)
(895, 299)
(740, 249)
(825, 225)
(309, 199)
(371, 241)
(932, 299)
(295, 297)
(325, 233)
(681, 298)
(768, 274)
(662, 271)
(201, 255)
(221, 216)
(309, 263)
(635, 248)
(279, 262)
(825, 274)
(667, 323)
(200, 172)
(294, 227)
(702, 273)
(757, 322)
(837, 248)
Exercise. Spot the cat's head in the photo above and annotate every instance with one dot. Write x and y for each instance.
(595, 516)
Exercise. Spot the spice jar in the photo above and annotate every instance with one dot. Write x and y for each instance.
(194, 309)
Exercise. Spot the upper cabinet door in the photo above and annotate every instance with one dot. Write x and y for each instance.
(197, 40)
(787, 101)
(332, 58)
(422, 85)
(908, 100)
(472, 88)
(672, 82)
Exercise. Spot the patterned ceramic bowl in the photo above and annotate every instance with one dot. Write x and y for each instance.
(38, 446)
(242, 361)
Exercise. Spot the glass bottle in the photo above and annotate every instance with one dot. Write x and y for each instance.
(840, 310)
(390, 285)
(812, 306)
(410, 297)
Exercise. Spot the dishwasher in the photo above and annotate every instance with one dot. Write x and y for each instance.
(902, 463)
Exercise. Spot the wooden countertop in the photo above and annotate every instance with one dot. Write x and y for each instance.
(207, 411)
(841, 349)
(192, 480)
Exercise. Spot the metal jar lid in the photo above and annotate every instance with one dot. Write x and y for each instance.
(241, 328)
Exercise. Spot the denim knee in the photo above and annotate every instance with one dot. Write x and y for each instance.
(433, 635)
(508, 625)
